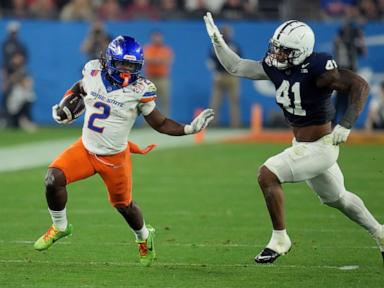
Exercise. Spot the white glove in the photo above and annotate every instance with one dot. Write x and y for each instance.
(340, 134)
(56, 117)
(212, 30)
(200, 122)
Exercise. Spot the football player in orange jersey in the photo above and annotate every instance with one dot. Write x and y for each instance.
(114, 95)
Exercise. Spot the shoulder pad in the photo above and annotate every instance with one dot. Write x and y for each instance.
(151, 87)
(150, 91)
(92, 68)
(321, 63)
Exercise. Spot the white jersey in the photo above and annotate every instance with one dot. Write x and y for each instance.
(111, 110)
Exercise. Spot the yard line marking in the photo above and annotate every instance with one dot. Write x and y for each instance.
(31, 155)
(336, 230)
(349, 267)
(227, 213)
(165, 264)
(24, 156)
(170, 243)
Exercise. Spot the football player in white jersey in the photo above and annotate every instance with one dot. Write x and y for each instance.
(114, 95)
(304, 81)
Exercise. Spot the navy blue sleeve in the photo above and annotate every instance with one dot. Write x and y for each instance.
(321, 63)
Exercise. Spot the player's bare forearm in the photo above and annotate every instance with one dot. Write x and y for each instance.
(171, 127)
(351, 84)
(164, 125)
(358, 95)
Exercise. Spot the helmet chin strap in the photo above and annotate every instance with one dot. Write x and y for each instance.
(125, 77)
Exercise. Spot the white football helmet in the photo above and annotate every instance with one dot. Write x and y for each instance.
(290, 45)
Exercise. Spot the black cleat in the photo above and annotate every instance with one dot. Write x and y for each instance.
(382, 254)
(266, 256)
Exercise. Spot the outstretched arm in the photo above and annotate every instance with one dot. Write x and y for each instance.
(237, 66)
(168, 126)
(230, 60)
(356, 88)
(164, 125)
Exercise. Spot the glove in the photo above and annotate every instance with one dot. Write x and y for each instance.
(340, 134)
(212, 30)
(57, 118)
(200, 122)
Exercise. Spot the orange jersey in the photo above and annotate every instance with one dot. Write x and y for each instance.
(158, 60)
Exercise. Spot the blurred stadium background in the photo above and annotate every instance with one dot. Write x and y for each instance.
(53, 41)
(203, 199)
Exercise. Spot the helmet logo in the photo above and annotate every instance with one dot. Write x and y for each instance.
(130, 57)
(116, 49)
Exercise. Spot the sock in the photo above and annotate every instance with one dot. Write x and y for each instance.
(59, 219)
(379, 234)
(279, 233)
(280, 241)
(353, 207)
(141, 234)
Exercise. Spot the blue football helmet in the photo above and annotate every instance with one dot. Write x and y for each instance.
(124, 60)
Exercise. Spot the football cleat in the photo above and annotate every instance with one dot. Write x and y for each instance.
(267, 256)
(51, 236)
(147, 248)
(280, 244)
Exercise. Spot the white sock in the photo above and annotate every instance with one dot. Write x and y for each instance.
(353, 207)
(141, 234)
(379, 233)
(59, 219)
(280, 241)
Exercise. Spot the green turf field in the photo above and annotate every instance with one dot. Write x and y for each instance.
(12, 136)
(210, 219)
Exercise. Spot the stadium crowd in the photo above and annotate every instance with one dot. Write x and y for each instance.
(115, 10)
(17, 93)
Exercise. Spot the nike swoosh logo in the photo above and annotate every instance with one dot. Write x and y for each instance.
(304, 65)
(268, 256)
(264, 257)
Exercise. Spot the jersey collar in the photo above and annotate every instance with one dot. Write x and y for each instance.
(108, 85)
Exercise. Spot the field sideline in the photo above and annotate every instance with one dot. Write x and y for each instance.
(210, 219)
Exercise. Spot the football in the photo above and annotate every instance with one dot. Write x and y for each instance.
(71, 107)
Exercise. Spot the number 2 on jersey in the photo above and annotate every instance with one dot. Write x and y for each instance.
(282, 97)
(102, 115)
